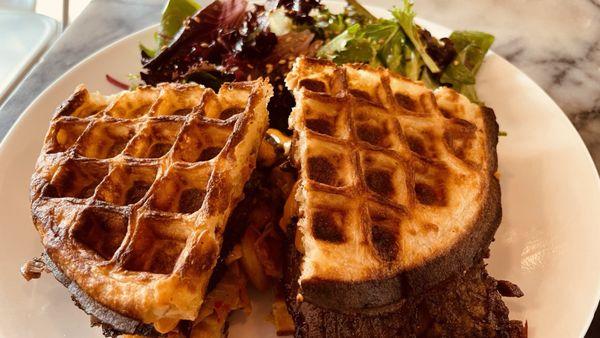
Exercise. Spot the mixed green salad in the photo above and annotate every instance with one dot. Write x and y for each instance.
(401, 45)
(231, 40)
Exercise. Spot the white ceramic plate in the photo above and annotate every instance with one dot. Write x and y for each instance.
(547, 243)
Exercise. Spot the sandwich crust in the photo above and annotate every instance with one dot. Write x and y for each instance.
(132, 192)
(419, 166)
(468, 304)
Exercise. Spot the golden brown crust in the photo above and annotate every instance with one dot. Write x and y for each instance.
(384, 295)
(132, 207)
(387, 115)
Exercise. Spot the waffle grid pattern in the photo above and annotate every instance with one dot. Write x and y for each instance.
(132, 191)
(382, 161)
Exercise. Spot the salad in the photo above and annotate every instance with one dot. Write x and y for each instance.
(232, 40)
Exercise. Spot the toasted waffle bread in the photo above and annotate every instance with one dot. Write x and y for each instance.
(132, 192)
(397, 184)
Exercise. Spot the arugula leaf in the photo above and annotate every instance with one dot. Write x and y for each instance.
(350, 46)
(357, 50)
(148, 51)
(392, 53)
(402, 46)
(471, 47)
(338, 43)
(173, 18)
(428, 79)
(360, 43)
(412, 63)
(396, 42)
(380, 32)
(405, 18)
(458, 73)
(327, 25)
(381, 42)
(462, 39)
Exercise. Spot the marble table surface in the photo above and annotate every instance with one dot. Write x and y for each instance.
(555, 42)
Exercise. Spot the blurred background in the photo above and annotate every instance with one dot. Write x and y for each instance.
(57, 9)
(39, 24)
(63, 11)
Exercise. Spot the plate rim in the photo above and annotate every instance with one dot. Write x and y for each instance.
(589, 162)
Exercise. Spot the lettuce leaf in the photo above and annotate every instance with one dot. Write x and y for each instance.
(392, 53)
(327, 25)
(173, 17)
(380, 32)
(337, 44)
(380, 43)
(357, 50)
(360, 43)
(402, 46)
(395, 44)
(405, 17)
(471, 47)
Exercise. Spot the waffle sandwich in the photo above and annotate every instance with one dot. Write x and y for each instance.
(132, 192)
(397, 188)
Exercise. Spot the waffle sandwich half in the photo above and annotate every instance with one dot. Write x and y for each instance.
(132, 192)
(397, 184)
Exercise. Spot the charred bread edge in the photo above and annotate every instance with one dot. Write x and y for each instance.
(384, 295)
(106, 316)
(112, 322)
(115, 323)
